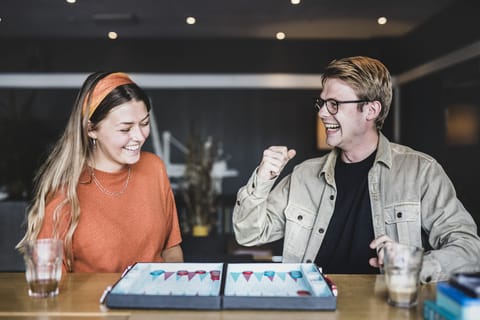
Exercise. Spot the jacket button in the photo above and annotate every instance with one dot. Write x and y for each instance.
(332, 197)
(428, 279)
(238, 202)
(399, 214)
(308, 261)
(321, 230)
(300, 217)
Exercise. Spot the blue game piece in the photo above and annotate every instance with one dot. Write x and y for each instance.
(157, 272)
(269, 273)
(296, 274)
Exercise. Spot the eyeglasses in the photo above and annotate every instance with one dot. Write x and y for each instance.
(332, 104)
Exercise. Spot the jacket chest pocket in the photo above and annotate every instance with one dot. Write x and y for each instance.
(299, 224)
(403, 223)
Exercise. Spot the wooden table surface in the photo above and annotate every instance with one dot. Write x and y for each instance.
(360, 297)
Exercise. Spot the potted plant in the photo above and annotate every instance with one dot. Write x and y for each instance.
(198, 191)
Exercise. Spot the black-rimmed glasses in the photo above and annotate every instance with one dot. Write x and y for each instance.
(332, 104)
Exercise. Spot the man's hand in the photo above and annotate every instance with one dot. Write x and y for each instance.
(378, 244)
(274, 160)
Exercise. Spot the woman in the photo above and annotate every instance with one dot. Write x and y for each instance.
(110, 202)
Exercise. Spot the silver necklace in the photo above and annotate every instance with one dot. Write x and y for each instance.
(108, 192)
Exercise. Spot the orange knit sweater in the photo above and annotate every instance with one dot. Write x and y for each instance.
(116, 231)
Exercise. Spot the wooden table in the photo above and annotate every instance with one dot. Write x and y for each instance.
(360, 297)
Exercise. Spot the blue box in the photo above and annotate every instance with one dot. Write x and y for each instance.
(432, 311)
(462, 306)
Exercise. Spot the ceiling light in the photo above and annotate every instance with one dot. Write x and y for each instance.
(294, 1)
(112, 35)
(382, 20)
(191, 20)
(280, 35)
(71, 1)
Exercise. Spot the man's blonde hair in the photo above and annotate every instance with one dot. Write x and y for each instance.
(368, 77)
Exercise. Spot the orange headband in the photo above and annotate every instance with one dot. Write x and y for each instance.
(102, 89)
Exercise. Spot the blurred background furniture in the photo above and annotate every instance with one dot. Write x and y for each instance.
(12, 214)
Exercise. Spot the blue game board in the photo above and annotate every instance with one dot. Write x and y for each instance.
(276, 286)
(169, 286)
(217, 286)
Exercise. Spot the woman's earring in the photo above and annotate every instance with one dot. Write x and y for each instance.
(94, 142)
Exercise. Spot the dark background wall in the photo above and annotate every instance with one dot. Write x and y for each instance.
(247, 121)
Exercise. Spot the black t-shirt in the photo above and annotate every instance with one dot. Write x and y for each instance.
(345, 248)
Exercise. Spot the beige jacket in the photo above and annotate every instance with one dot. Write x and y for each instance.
(409, 192)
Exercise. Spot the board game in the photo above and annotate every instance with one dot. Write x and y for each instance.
(168, 286)
(277, 286)
(219, 286)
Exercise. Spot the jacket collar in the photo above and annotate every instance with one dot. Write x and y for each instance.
(384, 155)
(384, 151)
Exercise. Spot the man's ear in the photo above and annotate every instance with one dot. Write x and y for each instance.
(374, 108)
(92, 133)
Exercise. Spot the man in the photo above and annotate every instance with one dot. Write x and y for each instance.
(340, 209)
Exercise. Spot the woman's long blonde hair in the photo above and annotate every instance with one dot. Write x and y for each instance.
(70, 156)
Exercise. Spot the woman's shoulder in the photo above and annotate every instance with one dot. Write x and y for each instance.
(149, 156)
(149, 160)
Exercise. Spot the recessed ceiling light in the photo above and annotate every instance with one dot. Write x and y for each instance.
(112, 35)
(382, 20)
(280, 35)
(71, 1)
(191, 20)
(294, 1)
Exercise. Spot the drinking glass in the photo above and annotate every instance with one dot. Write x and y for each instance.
(402, 265)
(43, 267)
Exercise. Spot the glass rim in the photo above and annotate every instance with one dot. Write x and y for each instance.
(54, 241)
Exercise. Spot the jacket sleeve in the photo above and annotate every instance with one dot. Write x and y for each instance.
(258, 216)
(451, 230)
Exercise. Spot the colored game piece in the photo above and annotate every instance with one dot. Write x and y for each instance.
(295, 274)
(202, 274)
(181, 274)
(247, 274)
(215, 275)
(269, 274)
(157, 273)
